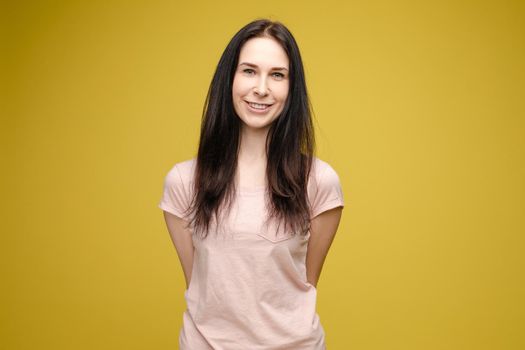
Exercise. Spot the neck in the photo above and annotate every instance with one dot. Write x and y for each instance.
(252, 145)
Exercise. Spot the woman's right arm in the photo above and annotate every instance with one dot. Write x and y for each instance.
(181, 238)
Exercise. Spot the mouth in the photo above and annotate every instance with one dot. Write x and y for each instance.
(259, 106)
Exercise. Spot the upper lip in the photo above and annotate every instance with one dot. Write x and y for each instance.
(260, 103)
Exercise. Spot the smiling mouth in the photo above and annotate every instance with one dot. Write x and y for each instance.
(259, 106)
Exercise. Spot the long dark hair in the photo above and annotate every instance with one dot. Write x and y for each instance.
(290, 143)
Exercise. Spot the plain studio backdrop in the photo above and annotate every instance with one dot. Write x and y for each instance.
(419, 107)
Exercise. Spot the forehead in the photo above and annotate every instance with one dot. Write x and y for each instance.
(264, 52)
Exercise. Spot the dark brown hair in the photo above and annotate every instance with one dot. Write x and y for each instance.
(290, 142)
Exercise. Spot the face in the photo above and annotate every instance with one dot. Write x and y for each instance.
(260, 84)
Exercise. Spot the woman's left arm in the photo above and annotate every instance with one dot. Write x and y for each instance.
(322, 233)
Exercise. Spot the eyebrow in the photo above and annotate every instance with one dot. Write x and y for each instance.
(255, 66)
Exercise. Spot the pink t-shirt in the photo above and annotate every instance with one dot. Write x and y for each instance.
(248, 287)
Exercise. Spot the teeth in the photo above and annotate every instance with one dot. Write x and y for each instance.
(258, 106)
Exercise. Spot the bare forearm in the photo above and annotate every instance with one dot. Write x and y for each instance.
(183, 243)
(322, 233)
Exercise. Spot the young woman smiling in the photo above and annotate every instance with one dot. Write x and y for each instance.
(253, 215)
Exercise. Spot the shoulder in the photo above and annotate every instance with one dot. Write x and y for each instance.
(178, 188)
(181, 174)
(322, 172)
(324, 188)
(186, 168)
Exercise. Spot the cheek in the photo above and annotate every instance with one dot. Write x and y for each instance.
(235, 90)
(282, 92)
(239, 87)
(284, 95)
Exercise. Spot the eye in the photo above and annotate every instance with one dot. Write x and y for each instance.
(247, 70)
(279, 75)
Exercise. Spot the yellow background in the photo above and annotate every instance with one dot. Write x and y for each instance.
(419, 107)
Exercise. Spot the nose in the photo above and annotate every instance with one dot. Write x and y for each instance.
(261, 88)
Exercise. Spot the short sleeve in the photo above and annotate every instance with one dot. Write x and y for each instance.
(329, 193)
(174, 197)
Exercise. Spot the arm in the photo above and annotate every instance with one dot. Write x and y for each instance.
(181, 238)
(322, 233)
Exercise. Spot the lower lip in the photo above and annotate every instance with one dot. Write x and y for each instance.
(258, 111)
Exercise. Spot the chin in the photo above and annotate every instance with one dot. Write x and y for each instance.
(256, 126)
(257, 123)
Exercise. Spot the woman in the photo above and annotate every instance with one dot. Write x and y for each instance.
(253, 215)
